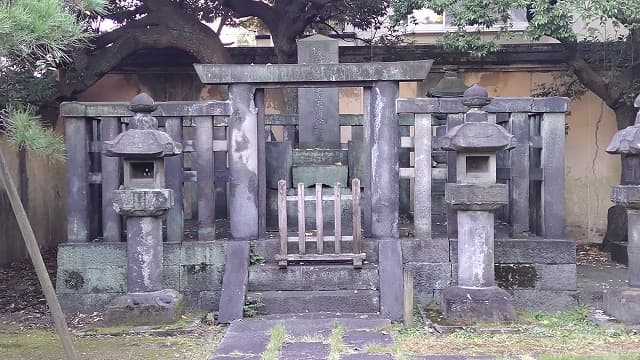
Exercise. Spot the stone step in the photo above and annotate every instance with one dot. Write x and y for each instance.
(340, 301)
(312, 277)
(268, 248)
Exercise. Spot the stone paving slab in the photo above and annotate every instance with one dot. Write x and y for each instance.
(359, 356)
(304, 351)
(452, 357)
(360, 339)
(249, 342)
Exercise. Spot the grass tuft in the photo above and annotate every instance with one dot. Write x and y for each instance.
(335, 342)
(276, 339)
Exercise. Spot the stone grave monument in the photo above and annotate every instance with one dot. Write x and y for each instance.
(475, 196)
(144, 201)
(624, 303)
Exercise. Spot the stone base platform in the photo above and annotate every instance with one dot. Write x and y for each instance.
(623, 303)
(490, 304)
(150, 308)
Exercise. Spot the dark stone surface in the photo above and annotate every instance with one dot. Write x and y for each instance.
(278, 163)
(435, 250)
(152, 308)
(616, 227)
(360, 339)
(366, 356)
(476, 196)
(618, 251)
(348, 301)
(75, 130)
(477, 304)
(204, 166)
(452, 357)
(545, 300)
(234, 281)
(536, 250)
(498, 105)
(509, 276)
(243, 342)
(304, 351)
(310, 277)
(391, 278)
(623, 303)
(430, 276)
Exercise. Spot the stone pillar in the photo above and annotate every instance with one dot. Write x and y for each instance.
(475, 196)
(243, 163)
(144, 201)
(76, 143)
(624, 302)
(385, 145)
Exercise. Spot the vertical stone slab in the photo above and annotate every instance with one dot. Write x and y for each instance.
(453, 120)
(234, 281)
(318, 107)
(174, 178)
(475, 248)
(262, 171)
(422, 180)
(75, 133)
(206, 177)
(220, 168)
(633, 248)
(110, 169)
(385, 175)
(367, 130)
(519, 186)
(391, 275)
(405, 184)
(144, 254)
(243, 163)
(553, 214)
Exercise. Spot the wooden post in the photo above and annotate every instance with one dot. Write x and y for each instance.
(174, 168)
(301, 221)
(110, 169)
(366, 154)
(77, 179)
(204, 170)
(319, 220)
(33, 249)
(453, 120)
(408, 299)
(337, 217)
(519, 186)
(422, 179)
(282, 222)
(357, 222)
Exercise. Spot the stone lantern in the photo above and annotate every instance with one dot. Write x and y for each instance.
(144, 201)
(475, 196)
(624, 302)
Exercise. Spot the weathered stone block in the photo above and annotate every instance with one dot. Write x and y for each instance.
(476, 196)
(84, 255)
(477, 304)
(171, 277)
(152, 308)
(85, 303)
(319, 157)
(343, 301)
(623, 303)
(198, 252)
(430, 276)
(545, 300)
(143, 202)
(324, 174)
(528, 251)
(200, 277)
(278, 157)
(110, 279)
(425, 251)
(318, 277)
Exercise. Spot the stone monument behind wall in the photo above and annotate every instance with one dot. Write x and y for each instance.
(624, 302)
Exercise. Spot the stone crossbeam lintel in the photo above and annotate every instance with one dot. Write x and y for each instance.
(497, 105)
(317, 75)
(168, 108)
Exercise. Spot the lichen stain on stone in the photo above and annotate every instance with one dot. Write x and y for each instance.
(73, 280)
(511, 276)
(197, 268)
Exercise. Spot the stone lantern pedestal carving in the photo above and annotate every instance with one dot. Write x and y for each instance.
(144, 201)
(475, 196)
(624, 302)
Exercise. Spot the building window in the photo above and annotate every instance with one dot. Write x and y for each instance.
(427, 20)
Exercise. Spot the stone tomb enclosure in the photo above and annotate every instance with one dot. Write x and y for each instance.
(227, 155)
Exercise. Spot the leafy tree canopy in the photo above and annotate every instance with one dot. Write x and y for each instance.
(615, 79)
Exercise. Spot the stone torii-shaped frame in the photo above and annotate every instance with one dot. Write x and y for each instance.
(246, 160)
